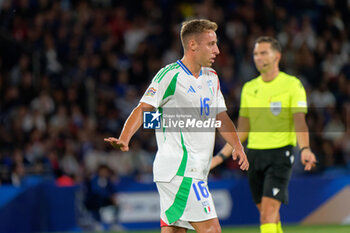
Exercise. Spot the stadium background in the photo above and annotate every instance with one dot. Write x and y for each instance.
(71, 71)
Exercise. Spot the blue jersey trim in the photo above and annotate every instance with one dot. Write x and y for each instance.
(187, 71)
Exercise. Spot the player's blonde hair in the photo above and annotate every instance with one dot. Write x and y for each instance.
(195, 26)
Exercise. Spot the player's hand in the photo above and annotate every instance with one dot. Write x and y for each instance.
(308, 159)
(117, 143)
(238, 153)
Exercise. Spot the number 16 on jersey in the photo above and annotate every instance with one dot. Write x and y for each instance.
(205, 106)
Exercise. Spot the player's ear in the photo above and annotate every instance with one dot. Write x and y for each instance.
(192, 44)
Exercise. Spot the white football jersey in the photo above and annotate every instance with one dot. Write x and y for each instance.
(184, 148)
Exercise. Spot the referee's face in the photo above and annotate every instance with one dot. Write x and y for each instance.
(207, 49)
(265, 58)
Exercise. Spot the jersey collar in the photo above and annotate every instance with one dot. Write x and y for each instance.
(187, 71)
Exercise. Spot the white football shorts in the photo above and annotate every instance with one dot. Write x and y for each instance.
(184, 200)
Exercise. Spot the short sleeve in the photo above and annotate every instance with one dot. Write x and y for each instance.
(154, 95)
(221, 102)
(298, 98)
(243, 110)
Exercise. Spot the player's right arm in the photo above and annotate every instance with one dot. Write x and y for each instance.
(132, 124)
(152, 98)
(226, 151)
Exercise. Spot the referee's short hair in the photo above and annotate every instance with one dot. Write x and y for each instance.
(275, 45)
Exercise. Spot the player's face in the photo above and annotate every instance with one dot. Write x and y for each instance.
(265, 58)
(207, 48)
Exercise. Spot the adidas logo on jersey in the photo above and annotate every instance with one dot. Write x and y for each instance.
(191, 89)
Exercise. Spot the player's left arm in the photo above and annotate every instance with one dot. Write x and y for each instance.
(308, 158)
(229, 133)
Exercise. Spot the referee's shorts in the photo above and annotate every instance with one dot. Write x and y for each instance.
(269, 173)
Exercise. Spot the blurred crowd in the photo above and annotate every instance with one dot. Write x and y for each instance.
(72, 70)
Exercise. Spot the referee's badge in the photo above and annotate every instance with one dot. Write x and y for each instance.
(276, 107)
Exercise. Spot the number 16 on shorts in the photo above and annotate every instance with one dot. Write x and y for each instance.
(202, 194)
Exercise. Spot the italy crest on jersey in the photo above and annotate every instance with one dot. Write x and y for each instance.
(276, 107)
(211, 87)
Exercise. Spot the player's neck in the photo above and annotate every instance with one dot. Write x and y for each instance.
(192, 66)
(270, 75)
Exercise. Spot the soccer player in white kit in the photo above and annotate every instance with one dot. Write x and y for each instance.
(184, 155)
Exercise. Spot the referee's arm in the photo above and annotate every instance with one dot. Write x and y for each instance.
(308, 158)
(226, 151)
